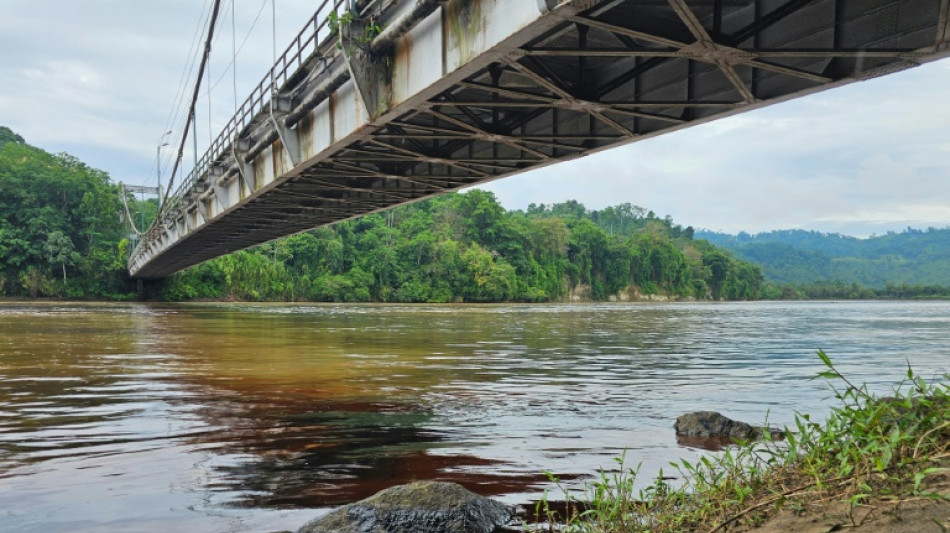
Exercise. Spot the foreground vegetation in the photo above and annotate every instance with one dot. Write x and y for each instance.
(873, 456)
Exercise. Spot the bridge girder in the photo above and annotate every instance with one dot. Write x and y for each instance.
(371, 129)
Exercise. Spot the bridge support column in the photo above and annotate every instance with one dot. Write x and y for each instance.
(240, 149)
(371, 72)
(280, 108)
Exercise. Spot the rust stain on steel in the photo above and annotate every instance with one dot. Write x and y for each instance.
(402, 59)
(305, 133)
(385, 67)
(276, 159)
(332, 105)
(404, 51)
(462, 24)
(258, 172)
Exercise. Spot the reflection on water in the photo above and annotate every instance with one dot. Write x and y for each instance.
(255, 418)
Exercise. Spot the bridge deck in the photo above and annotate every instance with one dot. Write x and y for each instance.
(460, 92)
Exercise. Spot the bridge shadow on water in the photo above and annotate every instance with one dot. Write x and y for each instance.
(290, 453)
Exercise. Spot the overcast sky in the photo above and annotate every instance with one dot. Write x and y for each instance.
(100, 79)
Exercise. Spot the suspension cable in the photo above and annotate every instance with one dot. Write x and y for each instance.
(125, 203)
(208, 82)
(273, 70)
(234, 51)
(194, 99)
(239, 47)
(174, 112)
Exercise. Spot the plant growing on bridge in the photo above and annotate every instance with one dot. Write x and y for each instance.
(338, 25)
(337, 22)
(370, 31)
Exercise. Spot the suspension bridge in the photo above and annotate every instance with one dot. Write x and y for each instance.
(383, 102)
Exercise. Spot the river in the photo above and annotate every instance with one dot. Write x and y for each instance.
(256, 418)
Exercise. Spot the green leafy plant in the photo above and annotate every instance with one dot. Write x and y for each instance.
(868, 449)
(337, 22)
(370, 31)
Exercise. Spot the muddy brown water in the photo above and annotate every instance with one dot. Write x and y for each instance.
(255, 418)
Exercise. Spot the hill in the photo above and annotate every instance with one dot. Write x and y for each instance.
(912, 257)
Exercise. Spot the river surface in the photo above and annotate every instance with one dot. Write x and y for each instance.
(257, 418)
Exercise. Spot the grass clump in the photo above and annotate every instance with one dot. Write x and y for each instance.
(871, 451)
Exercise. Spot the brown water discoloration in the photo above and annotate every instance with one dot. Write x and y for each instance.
(180, 416)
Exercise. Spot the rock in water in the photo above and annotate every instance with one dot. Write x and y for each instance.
(421, 507)
(713, 424)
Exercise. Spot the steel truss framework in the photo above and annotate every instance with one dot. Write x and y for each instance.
(603, 73)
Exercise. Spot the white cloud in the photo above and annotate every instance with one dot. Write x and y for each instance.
(849, 159)
(98, 79)
(923, 213)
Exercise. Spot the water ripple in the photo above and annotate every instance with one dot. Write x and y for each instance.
(210, 417)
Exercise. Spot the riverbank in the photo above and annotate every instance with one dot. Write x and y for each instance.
(876, 465)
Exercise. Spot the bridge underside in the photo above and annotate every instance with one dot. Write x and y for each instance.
(580, 77)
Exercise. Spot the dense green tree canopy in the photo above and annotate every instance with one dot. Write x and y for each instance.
(62, 235)
(59, 225)
(911, 257)
(468, 248)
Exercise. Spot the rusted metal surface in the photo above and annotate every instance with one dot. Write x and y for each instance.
(474, 90)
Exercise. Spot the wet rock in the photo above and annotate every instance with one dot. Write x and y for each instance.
(713, 444)
(421, 507)
(707, 424)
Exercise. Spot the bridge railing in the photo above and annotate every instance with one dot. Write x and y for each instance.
(315, 36)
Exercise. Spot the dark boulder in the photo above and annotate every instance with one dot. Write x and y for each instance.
(421, 507)
(712, 424)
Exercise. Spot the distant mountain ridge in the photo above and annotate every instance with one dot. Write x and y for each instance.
(914, 257)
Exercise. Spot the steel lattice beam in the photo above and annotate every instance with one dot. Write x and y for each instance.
(519, 87)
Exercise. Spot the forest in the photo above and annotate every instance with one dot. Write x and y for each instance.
(63, 235)
(60, 234)
(468, 248)
(913, 257)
